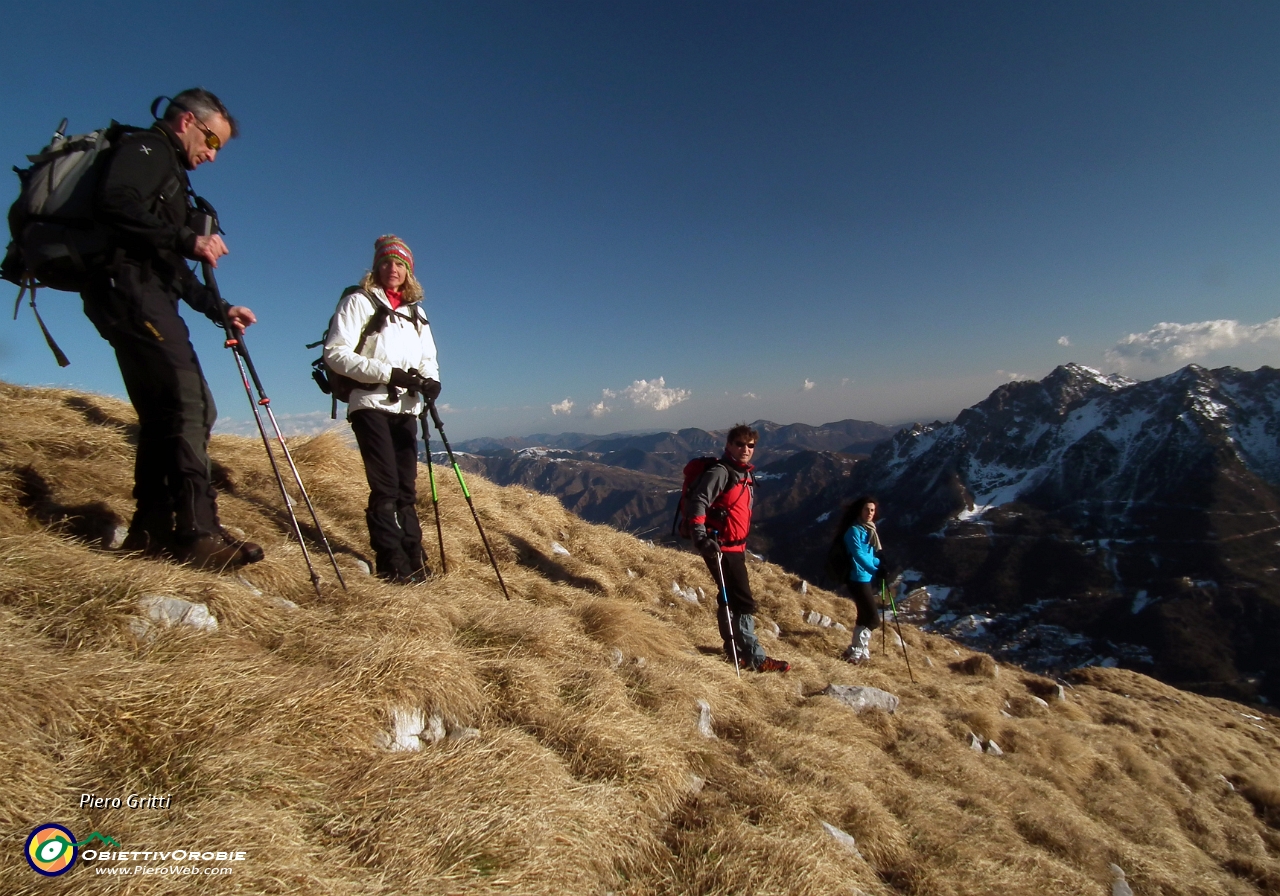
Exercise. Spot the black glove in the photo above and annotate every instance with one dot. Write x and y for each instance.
(408, 380)
(707, 546)
(430, 388)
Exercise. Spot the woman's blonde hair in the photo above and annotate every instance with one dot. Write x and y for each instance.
(412, 289)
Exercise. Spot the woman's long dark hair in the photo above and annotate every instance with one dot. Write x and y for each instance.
(854, 511)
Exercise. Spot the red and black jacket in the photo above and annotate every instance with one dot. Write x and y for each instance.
(721, 502)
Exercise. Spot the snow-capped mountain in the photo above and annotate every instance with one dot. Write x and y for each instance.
(1148, 511)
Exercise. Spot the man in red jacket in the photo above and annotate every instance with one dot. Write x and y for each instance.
(719, 509)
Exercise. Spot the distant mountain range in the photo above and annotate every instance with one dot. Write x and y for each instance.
(632, 481)
(1081, 514)
(1146, 513)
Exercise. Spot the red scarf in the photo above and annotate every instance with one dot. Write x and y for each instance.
(395, 298)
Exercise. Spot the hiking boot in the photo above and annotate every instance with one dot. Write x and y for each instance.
(218, 551)
(141, 540)
(773, 665)
(150, 534)
(860, 650)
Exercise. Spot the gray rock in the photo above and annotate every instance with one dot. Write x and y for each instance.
(1119, 886)
(1062, 693)
(434, 731)
(690, 594)
(115, 538)
(463, 733)
(860, 698)
(704, 720)
(803, 587)
(993, 749)
(407, 724)
(615, 657)
(364, 567)
(844, 839)
(558, 548)
(161, 612)
(975, 742)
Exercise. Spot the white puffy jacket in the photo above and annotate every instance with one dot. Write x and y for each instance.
(404, 342)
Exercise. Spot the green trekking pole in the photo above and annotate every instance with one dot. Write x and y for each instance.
(435, 417)
(898, 624)
(435, 496)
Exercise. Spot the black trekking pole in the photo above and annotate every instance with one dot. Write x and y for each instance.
(435, 496)
(897, 624)
(435, 416)
(235, 341)
(728, 614)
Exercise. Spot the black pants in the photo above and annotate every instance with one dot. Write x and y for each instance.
(389, 448)
(139, 317)
(864, 595)
(742, 604)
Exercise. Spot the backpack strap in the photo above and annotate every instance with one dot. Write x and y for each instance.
(29, 285)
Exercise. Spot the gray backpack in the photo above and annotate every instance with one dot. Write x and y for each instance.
(56, 238)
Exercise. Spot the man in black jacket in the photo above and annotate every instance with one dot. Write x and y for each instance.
(143, 197)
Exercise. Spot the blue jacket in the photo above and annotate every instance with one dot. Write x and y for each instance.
(865, 562)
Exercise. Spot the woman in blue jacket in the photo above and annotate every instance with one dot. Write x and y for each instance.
(862, 542)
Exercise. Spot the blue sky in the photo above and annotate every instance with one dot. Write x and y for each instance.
(655, 215)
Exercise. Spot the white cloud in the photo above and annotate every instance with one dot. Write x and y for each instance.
(1063, 341)
(562, 407)
(808, 384)
(1182, 342)
(844, 381)
(653, 394)
(750, 395)
(1011, 375)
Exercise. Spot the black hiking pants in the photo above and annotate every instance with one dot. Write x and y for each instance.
(139, 317)
(868, 603)
(389, 448)
(741, 603)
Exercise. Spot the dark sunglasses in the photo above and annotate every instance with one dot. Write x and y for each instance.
(745, 444)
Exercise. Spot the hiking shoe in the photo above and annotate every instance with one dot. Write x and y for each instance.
(855, 655)
(772, 665)
(219, 552)
(145, 542)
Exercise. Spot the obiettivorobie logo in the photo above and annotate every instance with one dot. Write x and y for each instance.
(51, 849)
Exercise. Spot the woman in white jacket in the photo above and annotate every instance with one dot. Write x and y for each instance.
(380, 338)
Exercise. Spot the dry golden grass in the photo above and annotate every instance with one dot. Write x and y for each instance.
(587, 774)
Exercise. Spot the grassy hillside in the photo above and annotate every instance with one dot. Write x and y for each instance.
(572, 760)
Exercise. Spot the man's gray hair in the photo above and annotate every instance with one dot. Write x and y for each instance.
(200, 103)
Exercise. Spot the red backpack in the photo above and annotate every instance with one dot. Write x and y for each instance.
(693, 471)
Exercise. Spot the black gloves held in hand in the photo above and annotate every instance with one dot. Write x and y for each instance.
(412, 381)
(405, 379)
(706, 546)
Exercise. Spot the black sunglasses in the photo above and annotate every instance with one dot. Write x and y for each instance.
(745, 444)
